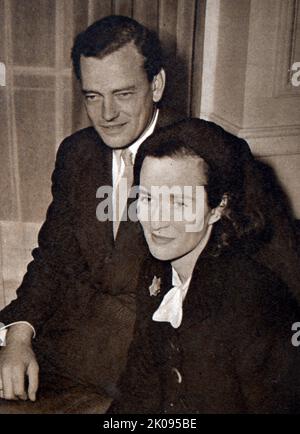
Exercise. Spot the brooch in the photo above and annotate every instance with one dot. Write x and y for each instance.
(154, 288)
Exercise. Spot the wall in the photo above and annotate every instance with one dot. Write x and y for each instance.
(248, 54)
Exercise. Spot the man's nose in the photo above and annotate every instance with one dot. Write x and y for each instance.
(109, 109)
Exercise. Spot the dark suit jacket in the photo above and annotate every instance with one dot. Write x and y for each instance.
(233, 350)
(78, 291)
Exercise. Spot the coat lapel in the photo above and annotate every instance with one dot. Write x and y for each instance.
(206, 291)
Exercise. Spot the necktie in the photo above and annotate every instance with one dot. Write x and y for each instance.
(123, 187)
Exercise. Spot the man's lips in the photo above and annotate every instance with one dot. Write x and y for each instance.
(159, 239)
(112, 128)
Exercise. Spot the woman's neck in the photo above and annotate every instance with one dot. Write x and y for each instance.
(185, 265)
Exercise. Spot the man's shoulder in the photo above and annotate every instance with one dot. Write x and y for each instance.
(82, 138)
(80, 145)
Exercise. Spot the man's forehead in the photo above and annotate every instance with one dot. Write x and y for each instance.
(112, 72)
(125, 56)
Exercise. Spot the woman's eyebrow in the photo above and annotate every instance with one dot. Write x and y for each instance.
(181, 196)
(142, 190)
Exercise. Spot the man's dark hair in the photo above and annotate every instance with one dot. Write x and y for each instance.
(110, 34)
(230, 170)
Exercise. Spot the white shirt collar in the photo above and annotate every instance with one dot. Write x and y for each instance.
(176, 281)
(170, 309)
(148, 131)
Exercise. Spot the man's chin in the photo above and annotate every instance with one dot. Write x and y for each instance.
(114, 141)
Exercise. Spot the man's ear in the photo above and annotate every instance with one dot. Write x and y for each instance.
(216, 213)
(158, 85)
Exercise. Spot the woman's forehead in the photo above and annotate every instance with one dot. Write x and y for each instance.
(173, 171)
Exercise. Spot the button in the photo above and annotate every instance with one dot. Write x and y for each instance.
(179, 376)
(108, 259)
(174, 348)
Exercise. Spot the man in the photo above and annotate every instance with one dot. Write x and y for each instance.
(78, 293)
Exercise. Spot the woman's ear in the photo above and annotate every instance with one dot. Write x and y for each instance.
(216, 213)
(158, 85)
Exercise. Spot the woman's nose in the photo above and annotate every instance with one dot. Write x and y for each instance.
(159, 218)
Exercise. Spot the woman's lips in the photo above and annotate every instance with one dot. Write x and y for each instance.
(158, 239)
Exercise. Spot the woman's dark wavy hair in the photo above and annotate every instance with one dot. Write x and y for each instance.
(231, 171)
(113, 32)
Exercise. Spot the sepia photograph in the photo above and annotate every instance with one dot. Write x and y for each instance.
(149, 209)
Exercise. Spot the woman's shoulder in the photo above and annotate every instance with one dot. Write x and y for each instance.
(251, 287)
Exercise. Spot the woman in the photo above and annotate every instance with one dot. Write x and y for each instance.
(213, 330)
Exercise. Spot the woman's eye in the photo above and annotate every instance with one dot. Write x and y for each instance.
(179, 204)
(144, 199)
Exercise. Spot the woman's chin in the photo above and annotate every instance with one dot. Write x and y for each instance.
(161, 254)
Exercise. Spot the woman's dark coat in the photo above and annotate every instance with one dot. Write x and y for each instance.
(232, 353)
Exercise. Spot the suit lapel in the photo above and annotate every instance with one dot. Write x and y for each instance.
(94, 171)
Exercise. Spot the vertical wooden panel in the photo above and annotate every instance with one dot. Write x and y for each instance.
(33, 23)
(2, 36)
(167, 25)
(35, 116)
(167, 35)
(123, 7)
(2, 298)
(80, 10)
(68, 105)
(67, 38)
(296, 32)
(9, 187)
(6, 190)
(101, 8)
(80, 15)
(185, 35)
(146, 12)
(197, 58)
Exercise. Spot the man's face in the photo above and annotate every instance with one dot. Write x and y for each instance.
(118, 95)
(166, 235)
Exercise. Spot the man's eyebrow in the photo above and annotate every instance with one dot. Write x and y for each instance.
(124, 89)
(85, 91)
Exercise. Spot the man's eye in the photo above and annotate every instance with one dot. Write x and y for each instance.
(91, 97)
(125, 95)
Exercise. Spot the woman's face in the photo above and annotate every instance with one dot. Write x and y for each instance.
(172, 205)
